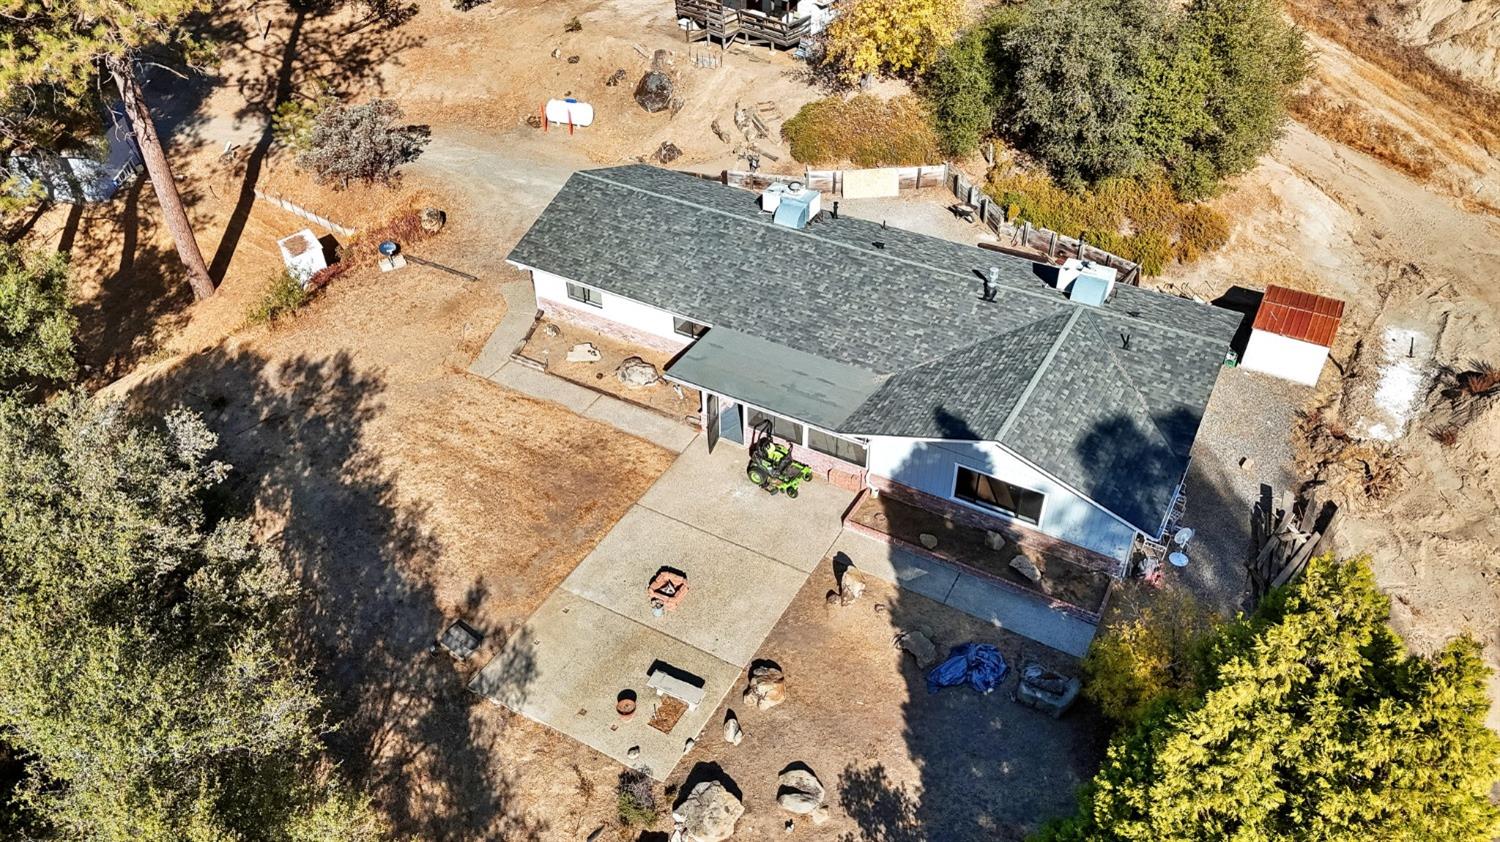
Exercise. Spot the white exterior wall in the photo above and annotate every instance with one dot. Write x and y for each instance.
(931, 467)
(617, 308)
(1282, 356)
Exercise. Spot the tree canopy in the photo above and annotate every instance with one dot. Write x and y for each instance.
(1314, 723)
(897, 37)
(141, 672)
(36, 327)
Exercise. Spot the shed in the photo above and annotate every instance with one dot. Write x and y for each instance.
(1292, 333)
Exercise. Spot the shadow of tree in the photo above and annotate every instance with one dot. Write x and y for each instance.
(295, 433)
(885, 811)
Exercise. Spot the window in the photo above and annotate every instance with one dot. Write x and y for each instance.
(588, 295)
(836, 446)
(782, 428)
(688, 327)
(991, 493)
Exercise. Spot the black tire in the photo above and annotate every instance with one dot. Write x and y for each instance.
(756, 476)
(791, 491)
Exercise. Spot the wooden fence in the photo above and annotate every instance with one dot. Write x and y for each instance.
(832, 181)
(1029, 241)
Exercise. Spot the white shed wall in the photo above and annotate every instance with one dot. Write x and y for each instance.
(930, 466)
(631, 314)
(1282, 356)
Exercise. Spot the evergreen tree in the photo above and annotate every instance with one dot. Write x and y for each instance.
(63, 44)
(140, 673)
(36, 327)
(1315, 725)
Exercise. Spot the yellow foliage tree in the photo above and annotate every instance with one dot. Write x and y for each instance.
(898, 37)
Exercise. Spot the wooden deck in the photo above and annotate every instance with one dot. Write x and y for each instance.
(727, 25)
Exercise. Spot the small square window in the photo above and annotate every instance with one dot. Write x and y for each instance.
(588, 295)
(688, 327)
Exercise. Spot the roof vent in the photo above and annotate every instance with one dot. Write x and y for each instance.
(991, 283)
(1086, 282)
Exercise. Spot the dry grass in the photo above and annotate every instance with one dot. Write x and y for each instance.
(1359, 128)
(1357, 25)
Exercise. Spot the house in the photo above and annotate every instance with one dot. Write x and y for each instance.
(1292, 334)
(1050, 401)
(776, 23)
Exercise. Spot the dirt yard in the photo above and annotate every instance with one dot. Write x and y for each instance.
(552, 340)
(899, 765)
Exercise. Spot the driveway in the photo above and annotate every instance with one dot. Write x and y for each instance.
(746, 555)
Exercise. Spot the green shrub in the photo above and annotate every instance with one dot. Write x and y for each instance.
(863, 130)
(282, 298)
(636, 800)
(36, 325)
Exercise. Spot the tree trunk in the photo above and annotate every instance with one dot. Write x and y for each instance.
(161, 177)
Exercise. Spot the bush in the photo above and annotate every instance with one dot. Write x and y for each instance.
(293, 121)
(36, 325)
(1139, 219)
(282, 298)
(361, 143)
(864, 130)
(965, 86)
(636, 800)
(1135, 665)
(889, 36)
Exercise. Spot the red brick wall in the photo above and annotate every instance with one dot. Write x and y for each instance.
(558, 311)
(1024, 536)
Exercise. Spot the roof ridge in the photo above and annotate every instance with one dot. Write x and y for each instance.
(596, 175)
(1036, 376)
(976, 343)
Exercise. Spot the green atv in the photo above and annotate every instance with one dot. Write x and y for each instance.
(773, 468)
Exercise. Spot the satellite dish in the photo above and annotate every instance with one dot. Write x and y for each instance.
(389, 248)
(1178, 559)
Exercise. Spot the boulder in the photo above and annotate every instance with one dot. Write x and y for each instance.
(550, 329)
(733, 733)
(709, 813)
(928, 540)
(799, 791)
(637, 373)
(994, 540)
(919, 645)
(1026, 567)
(633, 752)
(583, 352)
(668, 152)
(615, 78)
(654, 91)
(766, 689)
(433, 220)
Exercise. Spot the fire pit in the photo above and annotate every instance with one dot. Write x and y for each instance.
(666, 590)
(625, 704)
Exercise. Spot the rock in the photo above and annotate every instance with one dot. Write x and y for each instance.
(615, 78)
(550, 329)
(919, 645)
(994, 540)
(1026, 567)
(668, 152)
(637, 373)
(633, 752)
(583, 352)
(1046, 691)
(766, 689)
(1247, 464)
(709, 813)
(732, 731)
(556, 51)
(799, 791)
(687, 745)
(928, 540)
(654, 91)
(594, 837)
(574, 59)
(819, 815)
(851, 587)
(1042, 678)
(433, 220)
(534, 121)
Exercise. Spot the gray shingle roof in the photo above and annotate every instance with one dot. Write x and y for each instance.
(898, 317)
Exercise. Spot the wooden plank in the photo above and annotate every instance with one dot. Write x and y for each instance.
(1297, 563)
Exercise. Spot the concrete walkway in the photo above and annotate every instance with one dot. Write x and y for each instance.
(966, 592)
(494, 364)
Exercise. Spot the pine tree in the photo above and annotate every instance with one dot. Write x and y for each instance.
(65, 43)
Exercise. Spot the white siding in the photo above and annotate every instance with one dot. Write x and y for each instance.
(631, 314)
(1291, 359)
(930, 466)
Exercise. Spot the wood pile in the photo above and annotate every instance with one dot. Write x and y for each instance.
(1286, 542)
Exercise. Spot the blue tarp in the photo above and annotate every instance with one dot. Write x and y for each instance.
(980, 665)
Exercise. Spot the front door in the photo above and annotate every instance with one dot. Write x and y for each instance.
(732, 422)
(711, 421)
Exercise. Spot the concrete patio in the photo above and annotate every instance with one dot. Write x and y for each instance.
(746, 554)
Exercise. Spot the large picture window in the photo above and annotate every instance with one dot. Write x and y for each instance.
(782, 428)
(836, 446)
(588, 295)
(991, 493)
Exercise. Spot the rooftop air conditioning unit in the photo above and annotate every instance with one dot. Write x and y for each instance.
(1097, 281)
(797, 206)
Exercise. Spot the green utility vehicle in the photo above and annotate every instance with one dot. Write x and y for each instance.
(772, 466)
